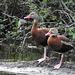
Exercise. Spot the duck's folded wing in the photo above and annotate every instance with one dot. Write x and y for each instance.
(63, 38)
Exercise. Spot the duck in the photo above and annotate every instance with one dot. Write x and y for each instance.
(38, 34)
(58, 43)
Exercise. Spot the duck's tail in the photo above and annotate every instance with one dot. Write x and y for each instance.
(66, 47)
(73, 44)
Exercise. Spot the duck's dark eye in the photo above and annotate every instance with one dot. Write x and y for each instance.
(32, 14)
(52, 30)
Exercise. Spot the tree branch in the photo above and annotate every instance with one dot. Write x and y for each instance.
(10, 16)
(66, 7)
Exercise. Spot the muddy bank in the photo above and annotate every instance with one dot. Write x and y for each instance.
(32, 67)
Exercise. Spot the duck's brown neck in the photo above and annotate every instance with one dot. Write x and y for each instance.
(34, 29)
(35, 24)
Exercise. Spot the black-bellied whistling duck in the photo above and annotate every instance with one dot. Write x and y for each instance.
(38, 34)
(56, 43)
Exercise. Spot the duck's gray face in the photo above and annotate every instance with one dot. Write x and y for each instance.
(53, 31)
(32, 15)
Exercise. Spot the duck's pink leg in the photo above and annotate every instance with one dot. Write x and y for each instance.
(42, 59)
(59, 65)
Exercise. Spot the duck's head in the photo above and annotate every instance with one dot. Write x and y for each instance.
(32, 15)
(52, 31)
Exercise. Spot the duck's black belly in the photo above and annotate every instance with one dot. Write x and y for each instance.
(44, 43)
(65, 48)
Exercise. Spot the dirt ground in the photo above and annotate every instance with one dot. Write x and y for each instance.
(32, 67)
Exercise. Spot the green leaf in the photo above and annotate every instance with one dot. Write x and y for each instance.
(2, 26)
(73, 4)
(41, 11)
(46, 14)
(44, 1)
(56, 24)
(73, 34)
(14, 27)
(13, 20)
(60, 22)
(48, 20)
(66, 2)
(70, 1)
(74, 16)
(44, 25)
(42, 8)
(15, 1)
(54, 17)
(3, 20)
(14, 33)
(29, 0)
(70, 33)
(70, 29)
(17, 23)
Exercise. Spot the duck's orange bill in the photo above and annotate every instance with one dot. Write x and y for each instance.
(29, 16)
(48, 33)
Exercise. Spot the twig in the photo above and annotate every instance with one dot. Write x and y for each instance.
(73, 24)
(64, 12)
(14, 35)
(67, 26)
(24, 40)
(10, 16)
(66, 7)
